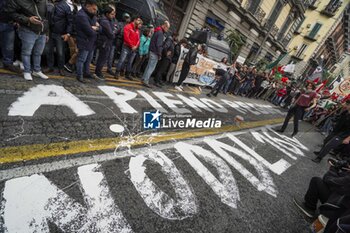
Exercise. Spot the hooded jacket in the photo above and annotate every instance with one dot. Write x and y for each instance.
(157, 41)
(106, 37)
(21, 11)
(131, 35)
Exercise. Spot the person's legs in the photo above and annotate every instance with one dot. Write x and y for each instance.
(81, 58)
(60, 43)
(7, 39)
(171, 71)
(73, 50)
(131, 60)
(227, 85)
(88, 63)
(124, 54)
(331, 144)
(317, 191)
(152, 63)
(184, 72)
(221, 84)
(290, 113)
(28, 41)
(102, 59)
(110, 61)
(49, 51)
(38, 51)
(299, 112)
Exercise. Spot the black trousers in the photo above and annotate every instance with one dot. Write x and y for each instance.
(102, 59)
(297, 112)
(218, 86)
(184, 72)
(331, 143)
(161, 69)
(317, 191)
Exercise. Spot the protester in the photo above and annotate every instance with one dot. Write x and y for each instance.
(60, 31)
(120, 33)
(222, 75)
(145, 42)
(334, 185)
(72, 42)
(33, 32)
(105, 39)
(164, 63)
(156, 49)
(130, 46)
(229, 81)
(339, 136)
(7, 39)
(87, 29)
(112, 52)
(190, 59)
(177, 52)
(301, 105)
(280, 94)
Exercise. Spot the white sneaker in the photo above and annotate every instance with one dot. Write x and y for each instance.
(28, 76)
(19, 63)
(179, 88)
(40, 75)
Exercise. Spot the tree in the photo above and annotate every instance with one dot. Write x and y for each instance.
(236, 40)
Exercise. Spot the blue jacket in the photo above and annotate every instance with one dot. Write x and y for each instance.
(144, 45)
(86, 36)
(157, 41)
(62, 18)
(106, 37)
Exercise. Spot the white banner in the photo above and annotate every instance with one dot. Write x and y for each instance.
(200, 74)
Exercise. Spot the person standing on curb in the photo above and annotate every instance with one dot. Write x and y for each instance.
(33, 32)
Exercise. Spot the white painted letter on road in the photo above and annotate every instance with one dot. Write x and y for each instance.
(40, 95)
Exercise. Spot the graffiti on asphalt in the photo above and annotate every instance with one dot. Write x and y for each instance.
(42, 95)
(30, 203)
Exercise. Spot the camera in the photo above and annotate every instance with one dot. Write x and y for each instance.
(339, 164)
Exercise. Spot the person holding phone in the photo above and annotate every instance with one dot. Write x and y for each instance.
(31, 15)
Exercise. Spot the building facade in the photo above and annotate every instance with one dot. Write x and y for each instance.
(266, 25)
(322, 35)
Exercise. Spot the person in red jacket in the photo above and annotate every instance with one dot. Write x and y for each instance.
(130, 46)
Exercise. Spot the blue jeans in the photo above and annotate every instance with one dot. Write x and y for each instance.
(83, 62)
(126, 53)
(227, 85)
(7, 40)
(32, 45)
(57, 41)
(110, 60)
(152, 63)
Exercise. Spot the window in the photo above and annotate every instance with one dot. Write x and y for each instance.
(269, 57)
(298, 24)
(301, 50)
(315, 30)
(275, 13)
(285, 27)
(253, 5)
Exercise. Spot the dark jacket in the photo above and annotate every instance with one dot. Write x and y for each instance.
(157, 40)
(3, 15)
(86, 36)
(342, 125)
(21, 11)
(106, 36)
(191, 56)
(62, 18)
(177, 52)
(168, 46)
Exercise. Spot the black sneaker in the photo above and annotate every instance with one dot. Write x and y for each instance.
(117, 75)
(110, 72)
(81, 79)
(316, 153)
(69, 67)
(209, 95)
(100, 77)
(301, 206)
(12, 68)
(129, 78)
(279, 130)
(316, 160)
(158, 85)
(146, 85)
(90, 76)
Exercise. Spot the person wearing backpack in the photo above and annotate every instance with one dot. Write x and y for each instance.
(105, 39)
(190, 59)
(60, 30)
(155, 54)
(31, 15)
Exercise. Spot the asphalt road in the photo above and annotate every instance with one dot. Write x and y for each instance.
(63, 171)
